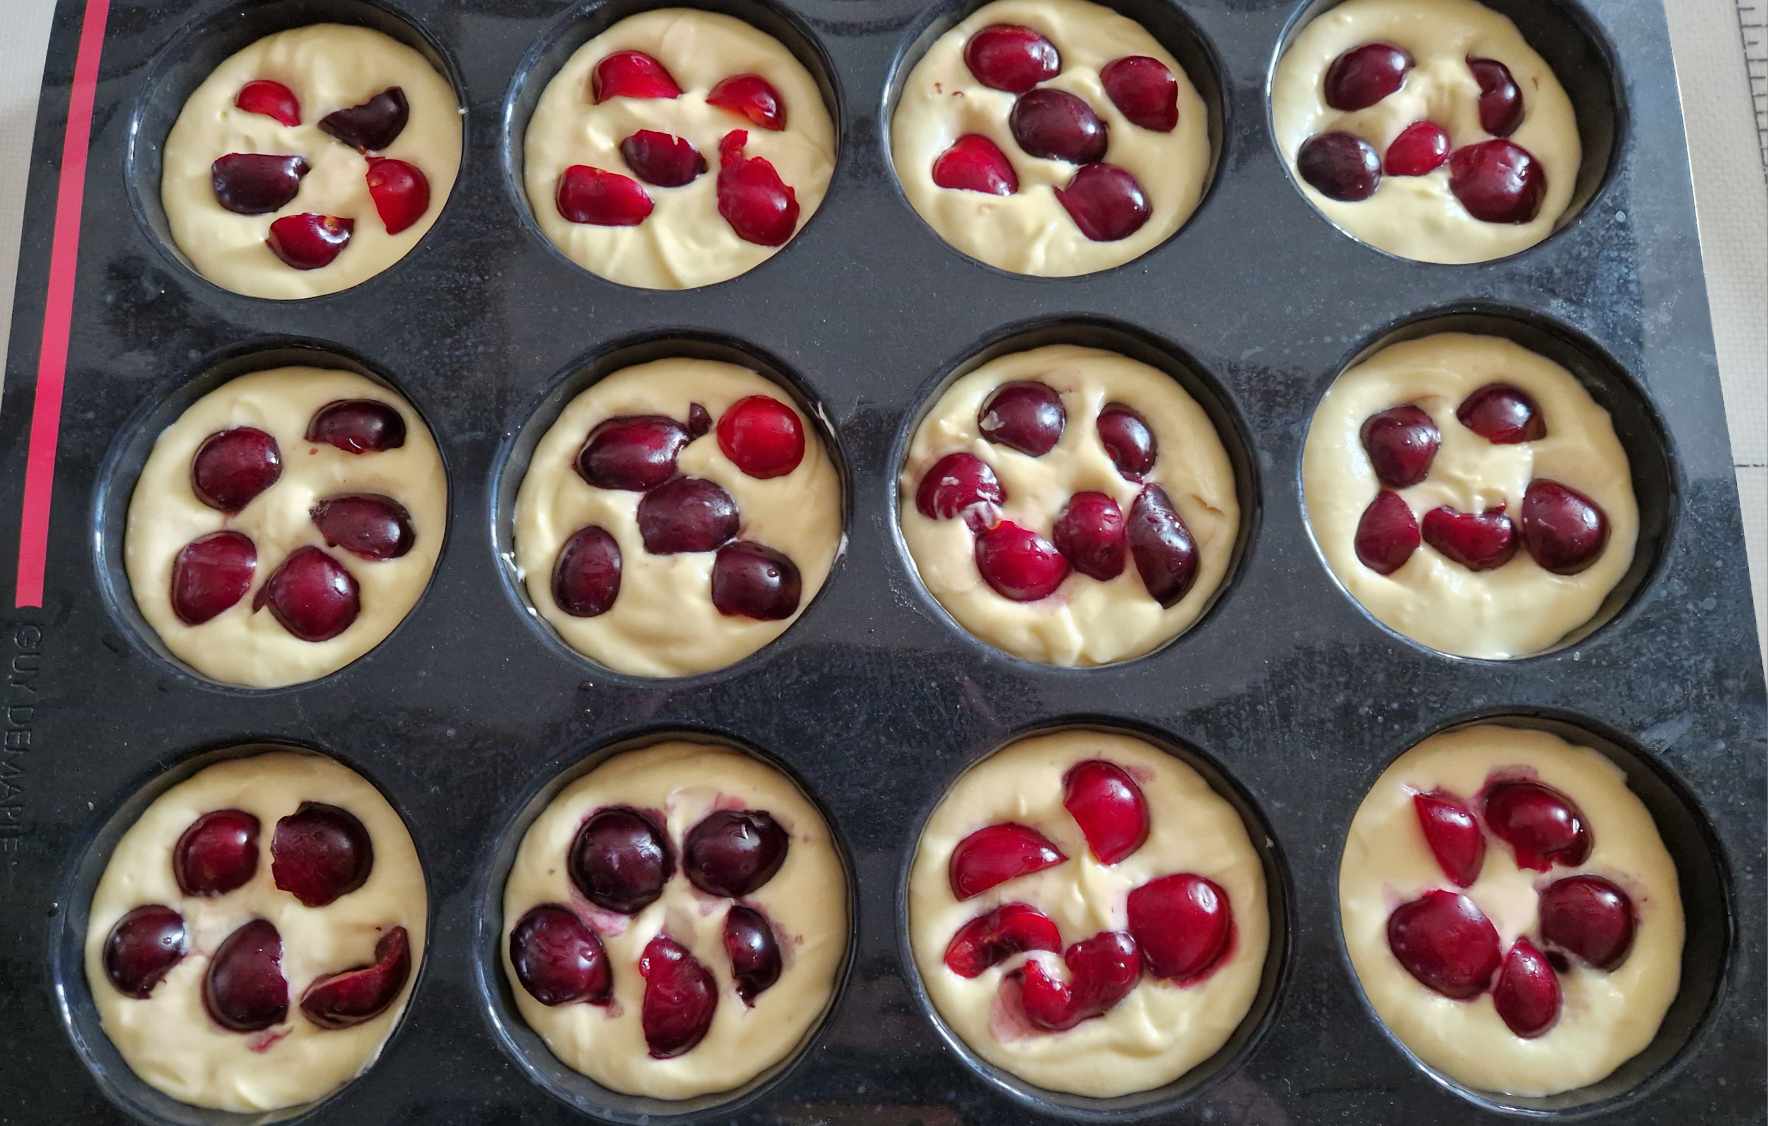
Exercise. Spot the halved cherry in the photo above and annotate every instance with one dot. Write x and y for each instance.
(1184, 925)
(759, 206)
(272, 99)
(1452, 833)
(244, 990)
(210, 574)
(960, 484)
(1102, 970)
(975, 164)
(1025, 415)
(1089, 532)
(1500, 99)
(1109, 808)
(662, 159)
(680, 998)
(256, 183)
(601, 199)
(762, 436)
(686, 514)
(1401, 443)
(750, 96)
(1589, 916)
(1542, 826)
(1166, 555)
(358, 426)
(372, 125)
(1106, 202)
(632, 452)
(1498, 182)
(754, 953)
(1018, 563)
(699, 421)
(217, 853)
(1562, 529)
(400, 190)
(586, 576)
(320, 853)
(1387, 533)
(752, 580)
(734, 852)
(990, 939)
(1057, 125)
(308, 241)
(1527, 992)
(1479, 541)
(1445, 941)
(1011, 57)
(620, 860)
(1143, 90)
(999, 853)
(558, 959)
(1128, 440)
(361, 993)
(1421, 148)
(1339, 165)
(367, 525)
(142, 948)
(1362, 76)
(1502, 414)
(631, 74)
(232, 467)
(311, 594)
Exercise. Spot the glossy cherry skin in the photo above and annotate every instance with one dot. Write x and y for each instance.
(632, 452)
(1498, 182)
(1562, 529)
(755, 955)
(1479, 541)
(1362, 76)
(1421, 148)
(308, 241)
(1011, 57)
(1527, 991)
(1453, 834)
(1401, 443)
(1109, 808)
(1057, 125)
(631, 74)
(992, 938)
(662, 159)
(311, 594)
(558, 959)
(272, 99)
(975, 164)
(1089, 532)
(320, 853)
(762, 436)
(999, 853)
(232, 467)
(1339, 166)
(1445, 941)
(620, 860)
(367, 525)
(210, 574)
(686, 514)
(400, 190)
(1024, 415)
(255, 183)
(1503, 415)
(142, 948)
(586, 576)
(1542, 826)
(681, 996)
(358, 426)
(734, 852)
(960, 484)
(1019, 564)
(1165, 553)
(244, 990)
(1106, 202)
(759, 206)
(1387, 533)
(1102, 970)
(752, 580)
(1144, 91)
(1589, 916)
(1500, 99)
(219, 852)
(1128, 440)
(361, 993)
(601, 199)
(372, 125)
(750, 96)
(1184, 925)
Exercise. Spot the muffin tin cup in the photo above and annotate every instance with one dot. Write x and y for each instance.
(873, 700)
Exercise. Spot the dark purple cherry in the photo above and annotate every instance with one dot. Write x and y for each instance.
(1089, 533)
(1500, 99)
(733, 852)
(1143, 90)
(752, 580)
(358, 426)
(1562, 529)
(143, 947)
(311, 594)
(662, 159)
(1106, 202)
(1526, 994)
(232, 467)
(1503, 415)
(558, 959)
(1498, 182)
(1446, 942)
(361, 993)
(1401, 443)
(620, 860)
(366, 525)
(210, 574)
(374, 124)
(1165, 553)
(1128, 440)
(754, 954)
(1589, 916)
(244, 990)
(1362, 76)
(586, 577)
(219, 852)
(686, 514)
(1340, 166)
(1479, 541)
(256, 183)
(1058, 125)
(1387, 533)
(633, 452)
(1024, 415)
(320, 853)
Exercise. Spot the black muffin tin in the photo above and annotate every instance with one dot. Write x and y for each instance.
(1287, 695)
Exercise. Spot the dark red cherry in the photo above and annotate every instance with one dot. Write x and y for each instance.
(374, 124)
(1058, 125)
(750, 96)
(1144, 91)
(143, 947)
(1446, 942)
(755, 956)
(1105, 202)
(1589, 916)
(999, 853)
(601, 199)
(960, 484)
(1101, 970)
(361, 993)
(1364, 75)
(367, 525)
(1184, 925)
(558, 959)
(631, 74)
(1128, 440)
(1089, 533)
(586, 577)
(1018, 563)
(1542, 826)
(1479, 541)
(733, 852)
(1387, 533)
(760, 207)
(308, 241)
(1340, 166)
(400, 190)
(975, 164)
(1502, 414)
(1562, 529)
(1498, 182)
(311, 594)
(320, 853)
(210, 574)
(1165, 553)
(272, 99)
(752, 580)
(1109, 808)
(1401, 443)
(620, 860)
(1453, 835)
(1527, 992)
(686, 514)
(256, 183)
(1500, 99)
(762, 436)
(1005, 56)
(1024, 415)
(633, 452)
(358, 426)
(219, 852)
(244, 990)
(680, 998)
(232, 467)
(992, 938)
(699, 421)
(662, 159)
(1421, 148)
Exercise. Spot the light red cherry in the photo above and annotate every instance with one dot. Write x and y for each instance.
(586, 575)
(686, 514)
(1453, 834)
(1339, 166)
(1498, 182)
(734, 852)
(1542, 826)
(1143, 90)
(320, 853)
(373, 125)
(1401, 443)
(1502, 414)
(311, 595)
(558, 959)
(244, 990)
(1102, 970)
(1500, 99)
(975, 164)
(1165, 553)
(1445, 941)
(631, 74)
(680, 998)
(1527, 991)
(400, 190)
(632, 452)
(272, 99)
(991, 938)
(1589, 916)
(1011, 57)
(1109, 808)
(1128, 440)
(1562, 529)
(255, 183)
(1089, 532)
(754, 952)
(358, 426)
(960, 484)
(1057, 125)
(1019, 564)
(308, 241)
(142, 947)
(1479, 541)
(1364, 75)
(762, 436)
(996, 854)
(601, 199)
(759, 206)
(750, 96)
(211, 574)
(367, 525)
(359, 994)
(1421, 148)
(752, 580)
(1024, 415)
(1184, 925)
(232, 467)
(217, 853)
(1387, 533)
(662, 159)
(620, 860)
